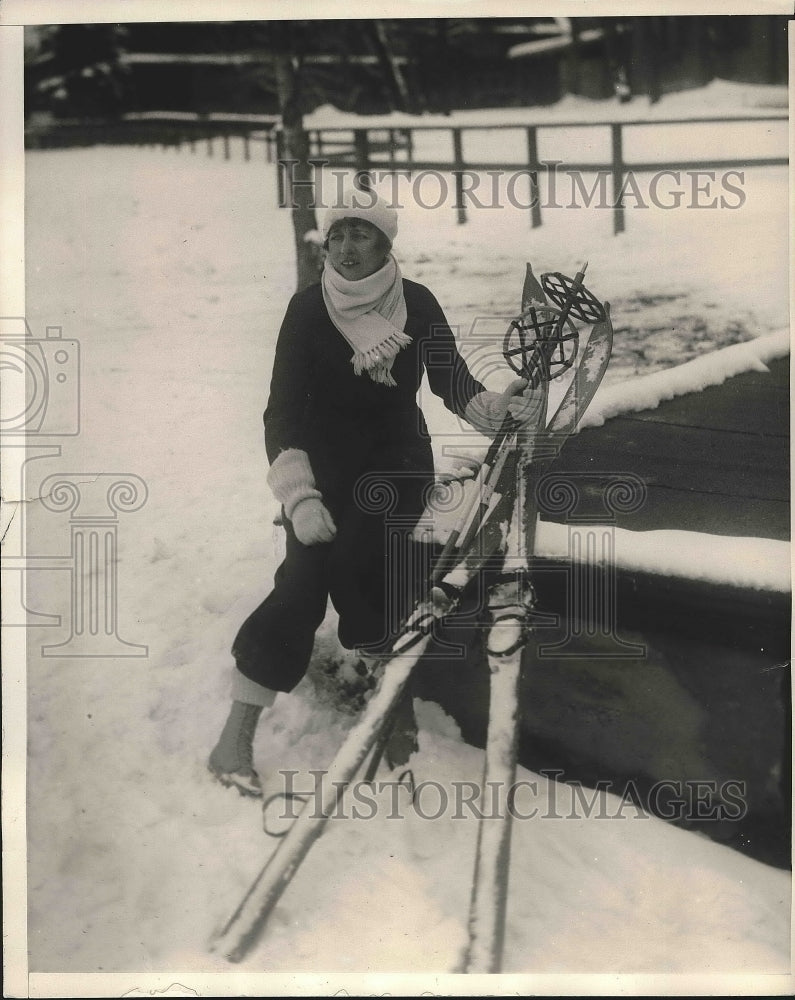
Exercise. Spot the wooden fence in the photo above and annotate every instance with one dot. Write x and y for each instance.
(393, 149)
(211, 134)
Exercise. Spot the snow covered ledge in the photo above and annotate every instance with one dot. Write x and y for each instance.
(757, 563)
(754, 563)
(646, 392)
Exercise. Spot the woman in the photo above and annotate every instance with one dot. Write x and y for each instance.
(351, 461)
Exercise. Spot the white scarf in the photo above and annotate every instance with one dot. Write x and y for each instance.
(370, 314)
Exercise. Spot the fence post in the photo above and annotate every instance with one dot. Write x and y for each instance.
(246, 146)
(533, 166)
(280, 179)
(226, 146)
(458, 174)
(409, 136)
(361, 148)
(618, 178)
(209, 144)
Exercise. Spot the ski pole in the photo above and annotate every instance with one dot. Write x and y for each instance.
(487, 473)
(531, 292)
(483, 500)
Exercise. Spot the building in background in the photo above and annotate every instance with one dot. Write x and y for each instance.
(376, 66)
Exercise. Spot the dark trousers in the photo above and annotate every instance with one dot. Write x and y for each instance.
(372, 571)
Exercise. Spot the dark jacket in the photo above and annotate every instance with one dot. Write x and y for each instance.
(348, 424)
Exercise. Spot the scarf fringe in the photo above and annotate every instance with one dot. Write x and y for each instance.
(377, 360)
(382, 375)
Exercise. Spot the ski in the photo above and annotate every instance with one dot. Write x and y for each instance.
(486, 544)
(586, 380)
(511, 602)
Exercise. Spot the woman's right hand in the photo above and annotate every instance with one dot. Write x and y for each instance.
(312, 523)
(487, 410)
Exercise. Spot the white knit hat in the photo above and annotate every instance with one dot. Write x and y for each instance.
(356, 204)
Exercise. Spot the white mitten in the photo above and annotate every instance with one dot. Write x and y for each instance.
(487, 410)
(293, 484)
(291, 479)
(312, 523)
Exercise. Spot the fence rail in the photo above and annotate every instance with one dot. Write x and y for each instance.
(393, 149)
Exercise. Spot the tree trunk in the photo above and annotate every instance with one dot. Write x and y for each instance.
(646, 42)
(391, 68)
(299, 191)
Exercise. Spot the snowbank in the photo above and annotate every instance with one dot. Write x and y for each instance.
(648, 391)
(757, 563)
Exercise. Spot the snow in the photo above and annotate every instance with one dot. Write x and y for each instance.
(648, 391)
(173, 272)
(718, 98)
(757, 563)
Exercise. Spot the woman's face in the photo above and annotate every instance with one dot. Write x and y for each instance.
(356, 248)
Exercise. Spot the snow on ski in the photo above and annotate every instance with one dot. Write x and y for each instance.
(510, 603)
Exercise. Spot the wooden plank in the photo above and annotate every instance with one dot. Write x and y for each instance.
(754, 403)
(689, 459)
(715, 461)
(707, 512)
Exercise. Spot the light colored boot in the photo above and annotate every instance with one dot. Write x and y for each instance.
(231, 760)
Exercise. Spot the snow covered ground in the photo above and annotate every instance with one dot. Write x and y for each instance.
(173, 271)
